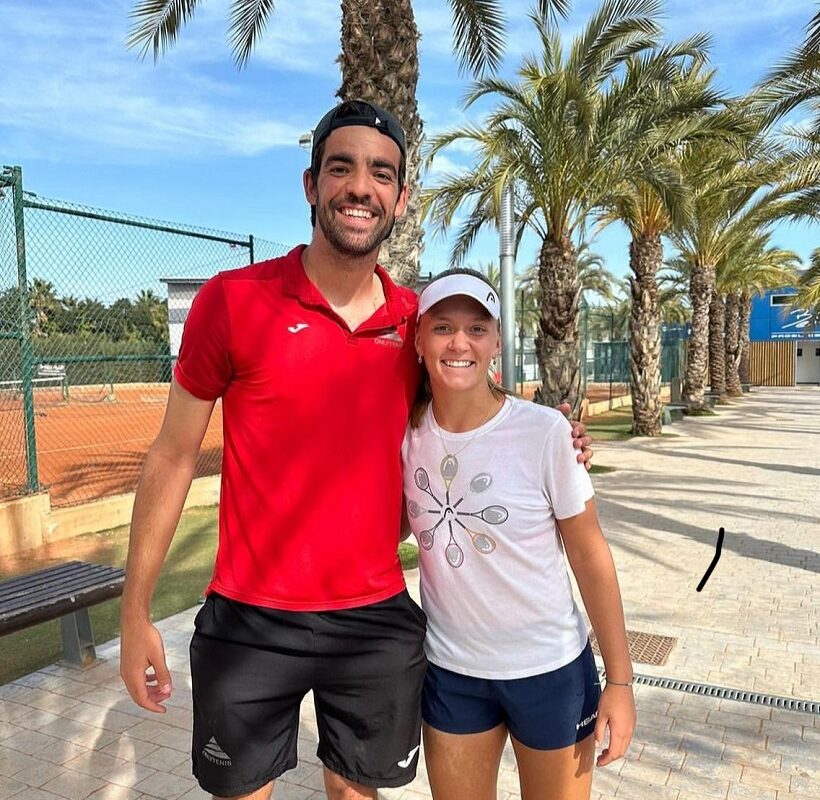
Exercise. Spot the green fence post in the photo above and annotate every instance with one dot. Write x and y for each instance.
(27, 353)
(250, 250)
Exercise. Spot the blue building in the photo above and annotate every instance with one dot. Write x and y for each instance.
(785, 347)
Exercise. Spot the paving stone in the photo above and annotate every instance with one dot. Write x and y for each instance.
(804, 786)
(9, 710)
(165, 759)
(645, 772)
(767, 778)
(29, 742)
(78, 733)
(665, 756)
(95, 762)
(291, 791)
(711, 768)
(632, 790)
(708, 787)
(130, 774)
(38, 772)
(165, 785)
(10, 788)
(742, 791)
(753, 757)
(73, 785)
(129, 748)
(61, 751)
(113, 792)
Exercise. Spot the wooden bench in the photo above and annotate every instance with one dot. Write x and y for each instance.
(672, 412)
(63, 592)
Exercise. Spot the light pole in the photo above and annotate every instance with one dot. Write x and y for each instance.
(506, 231)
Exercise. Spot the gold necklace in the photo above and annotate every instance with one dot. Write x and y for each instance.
(449, 464)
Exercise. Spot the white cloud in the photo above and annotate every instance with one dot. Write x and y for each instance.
(71, 88)
(441, 166)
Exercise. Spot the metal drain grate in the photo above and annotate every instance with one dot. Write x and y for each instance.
(644, 648)
(740, 695)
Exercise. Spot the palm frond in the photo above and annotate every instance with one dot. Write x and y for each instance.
(157, 23)
(247, 23)
(479, 34)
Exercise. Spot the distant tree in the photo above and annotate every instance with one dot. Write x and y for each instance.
(150, 317)
(44, 305)
(808, 296)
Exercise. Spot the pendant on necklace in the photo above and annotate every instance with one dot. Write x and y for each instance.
(449, 469)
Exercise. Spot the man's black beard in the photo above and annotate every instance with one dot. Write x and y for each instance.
(336, 237)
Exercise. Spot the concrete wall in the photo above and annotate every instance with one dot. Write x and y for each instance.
(30, 522)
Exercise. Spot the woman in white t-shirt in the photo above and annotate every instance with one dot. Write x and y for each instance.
(495, 497)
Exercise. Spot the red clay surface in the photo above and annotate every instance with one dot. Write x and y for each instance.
(93, 445)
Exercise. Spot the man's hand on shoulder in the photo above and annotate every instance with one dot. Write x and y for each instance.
(580, 440)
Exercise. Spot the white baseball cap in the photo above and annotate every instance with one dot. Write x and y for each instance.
(460, 284)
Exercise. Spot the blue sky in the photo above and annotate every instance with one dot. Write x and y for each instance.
(193, 140)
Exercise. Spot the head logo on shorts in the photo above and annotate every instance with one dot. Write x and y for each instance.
(584, 722)
(215, 754)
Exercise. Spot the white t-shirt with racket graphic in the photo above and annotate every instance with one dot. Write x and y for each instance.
(494, 581)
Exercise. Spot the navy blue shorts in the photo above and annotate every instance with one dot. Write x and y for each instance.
(543, 712)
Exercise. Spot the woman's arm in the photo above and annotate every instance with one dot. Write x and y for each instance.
(591, 562)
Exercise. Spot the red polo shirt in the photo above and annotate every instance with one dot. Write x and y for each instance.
(313, 417)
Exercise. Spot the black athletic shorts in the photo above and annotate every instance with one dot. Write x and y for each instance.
(251, 666)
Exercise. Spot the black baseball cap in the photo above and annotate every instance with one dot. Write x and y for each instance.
(359, 112)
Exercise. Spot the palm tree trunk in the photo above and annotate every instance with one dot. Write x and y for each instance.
(717, 347)
(557, 344)
(701, 286)
(732, 338)
(380, 63)
(645, 257)
(744, 316)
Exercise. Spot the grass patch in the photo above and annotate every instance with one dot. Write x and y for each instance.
(614, 426)
(701, 412)
(408, 555)
(597, 469)
(185, 574)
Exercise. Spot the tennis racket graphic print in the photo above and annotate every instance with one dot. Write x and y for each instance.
(454, 514)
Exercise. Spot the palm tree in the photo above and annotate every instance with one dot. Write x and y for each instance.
(737, 194)
(44, 305)
(749, 269)
(796, 81)
(673, 298)
(808, 295)
(648, 216)
(379, 61)
(566, 135)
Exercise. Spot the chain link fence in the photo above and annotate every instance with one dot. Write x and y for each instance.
(604, 346)
(91, 309)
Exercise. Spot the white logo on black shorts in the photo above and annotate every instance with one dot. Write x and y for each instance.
(405, 762)
(584, 722)
(215, 754)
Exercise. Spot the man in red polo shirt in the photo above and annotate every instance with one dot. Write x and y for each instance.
(313, 356)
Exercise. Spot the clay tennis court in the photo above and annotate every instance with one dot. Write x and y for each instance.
(93, 444)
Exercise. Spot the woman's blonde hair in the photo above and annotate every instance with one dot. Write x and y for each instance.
(424, 395)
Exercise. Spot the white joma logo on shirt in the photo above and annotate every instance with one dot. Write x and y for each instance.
(298, 327)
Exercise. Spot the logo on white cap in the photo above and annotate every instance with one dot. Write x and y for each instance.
(459, 283)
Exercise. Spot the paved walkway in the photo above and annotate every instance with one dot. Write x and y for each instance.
(754, 471)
